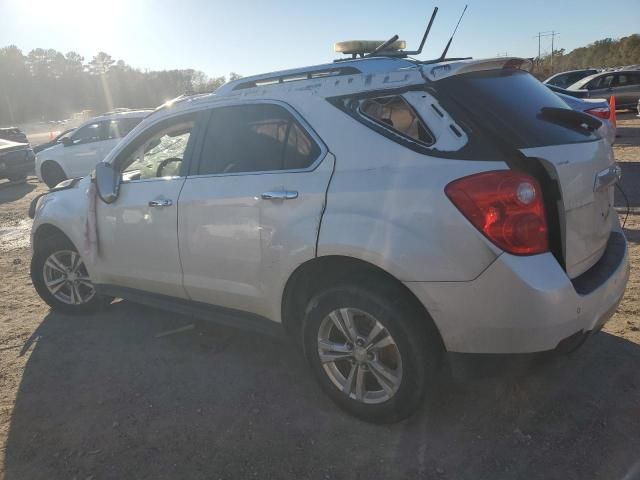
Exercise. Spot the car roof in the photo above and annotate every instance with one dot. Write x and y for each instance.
(569, 72)
(337, 78)
(573, 71)
(123, 114)
(142, 113)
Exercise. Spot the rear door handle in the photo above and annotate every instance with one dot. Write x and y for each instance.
(160, 203)
(280, 195)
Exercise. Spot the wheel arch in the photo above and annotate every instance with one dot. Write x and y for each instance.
(45, 232)
(322, 272)
(50, 163)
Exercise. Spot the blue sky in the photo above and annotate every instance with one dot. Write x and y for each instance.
(250, 37)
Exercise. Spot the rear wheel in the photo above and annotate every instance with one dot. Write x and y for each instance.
(370, 351)
(52, 174)
(61, 279)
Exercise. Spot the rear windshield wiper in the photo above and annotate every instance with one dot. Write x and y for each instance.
(569, 118)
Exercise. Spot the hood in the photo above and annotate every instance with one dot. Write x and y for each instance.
(9, 146)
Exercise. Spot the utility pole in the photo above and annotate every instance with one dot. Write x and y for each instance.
(553, 36)
(539, 36)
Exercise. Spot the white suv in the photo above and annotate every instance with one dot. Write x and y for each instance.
(382, 211)
(76, 154)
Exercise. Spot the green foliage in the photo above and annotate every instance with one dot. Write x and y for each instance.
(600, 54)
(48, 85)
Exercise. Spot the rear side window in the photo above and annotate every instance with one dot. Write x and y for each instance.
(394, 113)
(121, 127)
(626, 80)
(605, 81)
(256, 138)
(510, 103)
(89, 133)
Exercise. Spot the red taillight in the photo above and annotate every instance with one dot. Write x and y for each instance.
(506, 206)
(600, 112)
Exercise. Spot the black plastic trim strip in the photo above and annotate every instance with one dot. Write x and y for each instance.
(213, 313)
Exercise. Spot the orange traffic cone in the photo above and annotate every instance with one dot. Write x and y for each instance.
(612, 108)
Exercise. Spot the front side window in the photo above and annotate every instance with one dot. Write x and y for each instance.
(256, 138)
(602, 82)
(394, 113)
(157, 152)
(88, 134)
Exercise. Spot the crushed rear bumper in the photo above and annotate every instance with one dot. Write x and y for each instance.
(522, 305)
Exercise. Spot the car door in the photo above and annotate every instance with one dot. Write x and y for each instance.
(601, 87)
(137, 236)
(625, 88)
(84, 151)
(250, 210)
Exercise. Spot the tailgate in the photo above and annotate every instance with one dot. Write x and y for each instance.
(520, 113)
(588, 212)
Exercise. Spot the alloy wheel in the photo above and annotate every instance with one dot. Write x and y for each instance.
(359, 355)
(66, 277)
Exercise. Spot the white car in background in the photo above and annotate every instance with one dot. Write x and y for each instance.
(76, 154)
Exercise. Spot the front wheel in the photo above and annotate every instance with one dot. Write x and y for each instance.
(371, 352)
(61, 279)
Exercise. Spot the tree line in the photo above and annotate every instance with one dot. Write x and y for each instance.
(600, 54)
(46, 84)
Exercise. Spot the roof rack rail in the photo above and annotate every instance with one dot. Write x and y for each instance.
(296, 76)
(123, 110)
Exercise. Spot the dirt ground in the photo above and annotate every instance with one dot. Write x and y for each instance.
(102, 397)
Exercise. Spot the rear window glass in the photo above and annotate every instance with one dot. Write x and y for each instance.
(509, 102)
(394, 113)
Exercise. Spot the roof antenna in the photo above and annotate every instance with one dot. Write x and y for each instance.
(426, 34)
(446, 49)
(404, 53)
(382, 46)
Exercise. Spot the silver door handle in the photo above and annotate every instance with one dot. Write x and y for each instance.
(160, 203)
(280, 195)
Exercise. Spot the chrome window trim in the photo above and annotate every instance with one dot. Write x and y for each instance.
(155, 179)
(310, 168)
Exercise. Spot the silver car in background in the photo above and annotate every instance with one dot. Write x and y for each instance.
(564, 79)
(624, 85)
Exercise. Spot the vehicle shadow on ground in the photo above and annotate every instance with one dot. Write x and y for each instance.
(10, 192)
(103, 397)
(630, 184)
(627, 136)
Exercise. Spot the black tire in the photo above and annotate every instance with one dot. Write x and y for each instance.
(52, 173)
(417, 342)
(58, 243)
(19, 177)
